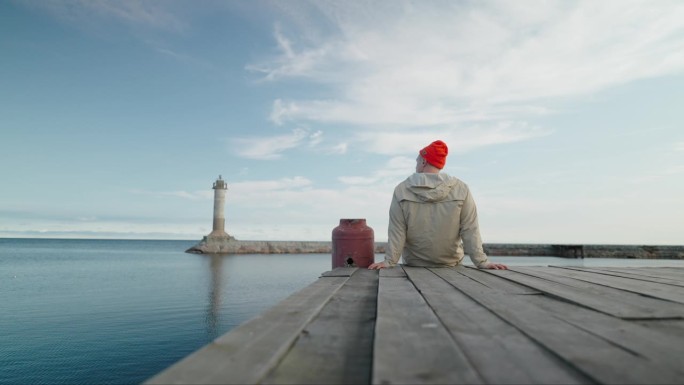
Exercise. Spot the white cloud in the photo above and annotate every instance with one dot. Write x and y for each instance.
(191, 195)
(291, 63)
(357, 180)
(340, 148)
(267, 148)
(249, 187)
(679, 146)
(316, 138)
(384, 177)
(504, 51)
(459, 139)
(279, 111)
(489, 66)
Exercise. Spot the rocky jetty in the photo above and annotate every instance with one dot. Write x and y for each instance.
(230, 245)
(585, 251)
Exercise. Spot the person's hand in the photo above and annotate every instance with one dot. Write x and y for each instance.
(377, 266)
(495, 266)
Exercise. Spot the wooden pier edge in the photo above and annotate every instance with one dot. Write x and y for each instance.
(533, 325)
(247, 353)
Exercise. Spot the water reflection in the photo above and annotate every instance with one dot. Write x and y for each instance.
(214, 304)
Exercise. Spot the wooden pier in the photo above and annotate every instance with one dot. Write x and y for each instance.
(410, 325)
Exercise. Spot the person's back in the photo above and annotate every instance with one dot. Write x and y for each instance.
(433, 217)
(432, 209)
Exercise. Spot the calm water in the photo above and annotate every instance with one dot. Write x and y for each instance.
(118, 312)
(97, 311)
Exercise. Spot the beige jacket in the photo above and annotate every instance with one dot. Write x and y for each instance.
(432, 218)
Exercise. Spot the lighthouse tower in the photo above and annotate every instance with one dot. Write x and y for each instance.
(219, 229)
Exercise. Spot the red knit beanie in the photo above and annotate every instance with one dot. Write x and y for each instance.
(435, 153)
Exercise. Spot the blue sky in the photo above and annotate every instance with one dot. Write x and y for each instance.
(564, 117)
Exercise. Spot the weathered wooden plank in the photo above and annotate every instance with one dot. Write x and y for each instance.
(651, 289)
(411, 345)
(396, 271)
(662, 341)
(678, 268)
(662, 350)
(336, 347)
(616, 302)
(665, 272)
(497, 350)
(340, 272)
(632, 273)
(494, 282)
(668, 327)
(599, 359)
(672, 273)
(248, 352)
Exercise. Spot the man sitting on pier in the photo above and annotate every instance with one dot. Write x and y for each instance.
(433, 218)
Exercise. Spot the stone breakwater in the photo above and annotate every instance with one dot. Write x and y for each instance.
(230, 245)
(585, 251)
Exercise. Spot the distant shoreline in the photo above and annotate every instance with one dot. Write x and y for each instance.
(675, 252)
(233, 246)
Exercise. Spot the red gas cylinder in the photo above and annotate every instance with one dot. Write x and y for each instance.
(353, 244)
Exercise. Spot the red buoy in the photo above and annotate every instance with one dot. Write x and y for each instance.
(353, 244)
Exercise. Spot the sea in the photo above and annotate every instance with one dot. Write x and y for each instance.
(81, 311)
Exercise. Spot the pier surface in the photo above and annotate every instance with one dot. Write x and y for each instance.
(531, 325)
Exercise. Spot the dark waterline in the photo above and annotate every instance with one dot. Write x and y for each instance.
(120, 311)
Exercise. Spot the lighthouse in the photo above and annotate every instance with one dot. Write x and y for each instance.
(219, 242)
(219, 228)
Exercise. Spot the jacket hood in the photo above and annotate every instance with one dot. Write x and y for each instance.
(427, 187)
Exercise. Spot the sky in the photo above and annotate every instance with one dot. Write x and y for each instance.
(564, 117)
